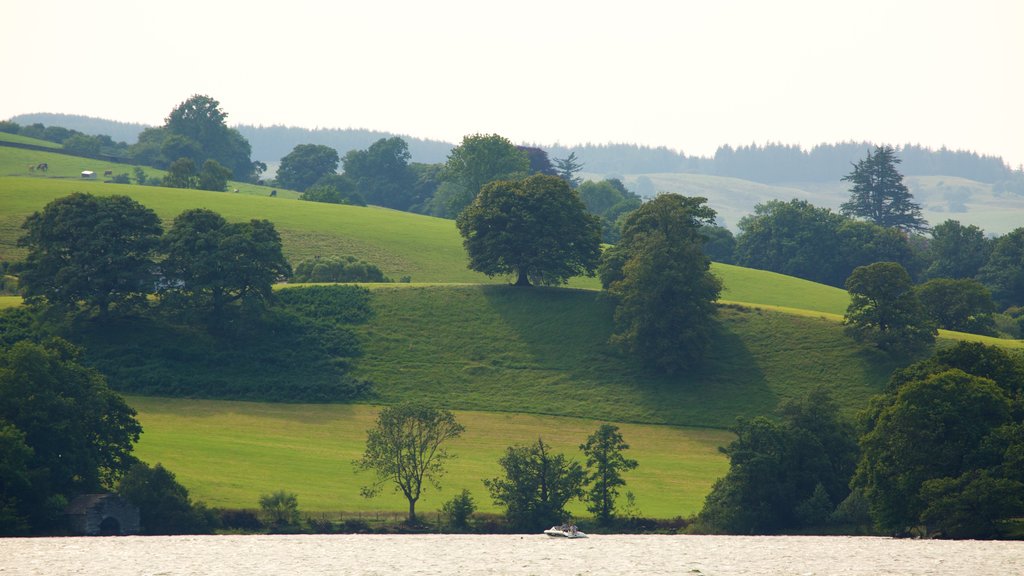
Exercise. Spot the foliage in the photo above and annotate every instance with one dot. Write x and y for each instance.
(63, 430)
(334, 189)
(201, 126)
(943, 420)
(605, 465)
(660, 278)
(213, 176)
(536, 229)
(337, 269)
(211, 263)
(1003, 274)
(406, 447)
(458, 510)
(799, 239)
(885, 310)
(784, 475)
(608, 199)
(879, 194)
(96, 250)
(568, 168)
(280, 510)
(536, 486)
(301, 350)
(964, 305)
(958, 251)
(720, 245)
(382, 174)
(181, 174)
(164, 504)
(306, 164)
(480, 159)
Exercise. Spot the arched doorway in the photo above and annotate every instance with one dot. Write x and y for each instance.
(110, 526)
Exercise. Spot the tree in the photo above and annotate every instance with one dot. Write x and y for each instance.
(334, 189)
(885, 310)
(78, 432)
(306, 164)
(458, 510)
(794, 238)
(213, 177)
(539, 161)
(201, 125)
(927, 428)
(605, 465)
(85, 248)
(536, 229)
(662, 283)
(1003, 274)
(784, 475)
(164, 504)
(536, 486)
(567, 168)
(480, 159)
(958, 251)
(181, 174)
(406, 447)
(879, 194)
(964, 305)
(382, 174)
(210, 263)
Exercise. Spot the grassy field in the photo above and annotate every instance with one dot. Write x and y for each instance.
(19, 139)
(228, 453)
(544, 351)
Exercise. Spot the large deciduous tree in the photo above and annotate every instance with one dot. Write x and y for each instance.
(535, 229)
(536, 486)
(382, 174)
(786, 474)
(878, 193)
(605, 465)
(957, 251)
(662, 281)
(69, 432)
(306, 164)
(885, 310)
(1004, 272)
(964, 305)
(944, 447)
(480, 159)
(406, 448)
(201, 122)
(96, 250)
(211, 263)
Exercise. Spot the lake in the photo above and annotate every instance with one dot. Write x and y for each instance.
(388, 555)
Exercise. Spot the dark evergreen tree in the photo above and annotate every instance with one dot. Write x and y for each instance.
(567, 168)
(879, 194)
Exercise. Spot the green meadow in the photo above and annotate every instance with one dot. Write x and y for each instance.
(516, 364)
(228, 453)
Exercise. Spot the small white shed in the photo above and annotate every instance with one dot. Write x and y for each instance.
(88, 174)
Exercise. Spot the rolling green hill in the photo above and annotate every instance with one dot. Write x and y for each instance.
(516, 363)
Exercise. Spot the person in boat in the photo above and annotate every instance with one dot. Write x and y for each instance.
(564, 527)
(572, 529)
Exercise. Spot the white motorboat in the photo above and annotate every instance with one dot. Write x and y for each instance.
(564, 532)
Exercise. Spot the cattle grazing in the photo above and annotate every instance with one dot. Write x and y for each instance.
(108, 172)
(273, 192)
(42, 166)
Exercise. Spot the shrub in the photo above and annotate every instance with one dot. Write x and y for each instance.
(245, 520)
(458, 510)
(280, 510)
(337, 269)
(121, 179)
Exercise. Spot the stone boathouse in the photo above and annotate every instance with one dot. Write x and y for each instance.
(102, 515)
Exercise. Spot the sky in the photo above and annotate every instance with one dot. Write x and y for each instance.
(690, 76)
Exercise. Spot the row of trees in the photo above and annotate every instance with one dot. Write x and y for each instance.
(101, 253)
(940, 452)
(406, 449)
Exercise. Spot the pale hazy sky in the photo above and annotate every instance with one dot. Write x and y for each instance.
(687, 75)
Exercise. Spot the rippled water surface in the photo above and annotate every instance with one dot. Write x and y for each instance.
(446, 554)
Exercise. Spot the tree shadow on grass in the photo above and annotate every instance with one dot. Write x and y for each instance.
(566, 333)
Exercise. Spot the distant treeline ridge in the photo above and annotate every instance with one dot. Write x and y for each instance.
(769, 163)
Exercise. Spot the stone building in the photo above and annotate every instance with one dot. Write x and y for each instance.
(102, 515)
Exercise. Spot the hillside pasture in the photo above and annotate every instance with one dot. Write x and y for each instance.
(229, 453)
